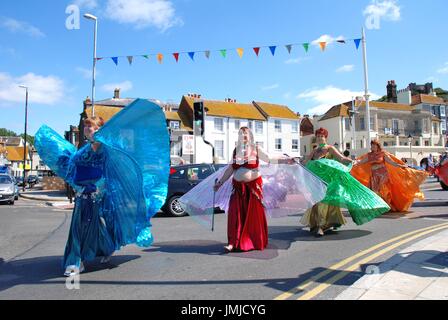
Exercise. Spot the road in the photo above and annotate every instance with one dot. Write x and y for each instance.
(187, 261)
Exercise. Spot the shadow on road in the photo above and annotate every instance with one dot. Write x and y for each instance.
(39, 270)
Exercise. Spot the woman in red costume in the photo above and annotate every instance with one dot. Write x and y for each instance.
(247, 227)
(389, 177)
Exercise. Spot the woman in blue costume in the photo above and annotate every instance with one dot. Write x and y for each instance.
(120, 179)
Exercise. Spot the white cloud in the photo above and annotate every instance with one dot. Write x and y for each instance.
(388, 10)
(143, 13)
(87, 73)
(297, 60)
(346, 68)
(17, 26)
(123, 86)
(326, 38)
(443, 70)
(287, 95)
(88, 4)
(45, 90)
(328, 97)
(271, 87)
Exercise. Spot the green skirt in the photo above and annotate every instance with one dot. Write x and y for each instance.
(345, 191)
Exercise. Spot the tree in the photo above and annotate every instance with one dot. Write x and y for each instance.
(29, 139)
(7, 133)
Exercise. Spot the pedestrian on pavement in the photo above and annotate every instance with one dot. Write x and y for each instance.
(343, 191)
(120, 178)
(397, 184)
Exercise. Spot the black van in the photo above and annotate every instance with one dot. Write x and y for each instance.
(183, 179)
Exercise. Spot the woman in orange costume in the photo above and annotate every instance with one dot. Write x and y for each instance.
(389, 177)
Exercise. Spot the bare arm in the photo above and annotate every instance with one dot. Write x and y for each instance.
(363, 161)
(339, 156)
(269, 159)
(309, 158)
(227, 174)
(391, 162)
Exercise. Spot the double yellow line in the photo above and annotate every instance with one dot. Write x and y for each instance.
(402, 239)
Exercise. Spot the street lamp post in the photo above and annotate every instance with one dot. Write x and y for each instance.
(24, 147)
(95, 30)
(410, 146)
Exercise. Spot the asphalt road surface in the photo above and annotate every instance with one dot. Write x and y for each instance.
(187, 261)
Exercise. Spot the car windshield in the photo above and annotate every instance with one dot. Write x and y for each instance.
(5, 180)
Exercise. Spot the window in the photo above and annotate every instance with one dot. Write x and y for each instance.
(219, 148)
(219, 124)
(258, 127)
(425, 125)
(175, 125)
(395, 127)
(347, 146)
(372, 123)
(278, 126)
(362, 125)
(237, 125)
(260, 144)
(250, 124)
(443, 125)
(435, 126)
(175, 149)
(295, 145)
(426, 143)
(347, 123)
(295, 127)
(442, 111)
(177, 174)
(278, 144)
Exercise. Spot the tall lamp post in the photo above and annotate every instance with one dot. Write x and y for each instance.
(95, 30)
(410, 146)
(24, 147)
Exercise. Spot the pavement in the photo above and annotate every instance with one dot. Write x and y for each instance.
(419, 272)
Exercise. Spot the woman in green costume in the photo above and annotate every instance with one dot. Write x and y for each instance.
(343, 191)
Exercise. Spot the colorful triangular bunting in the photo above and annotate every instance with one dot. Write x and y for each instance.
(160, 58)
(223, 52)
(240, 52)
(145, 56)
(323, 45)
(257, 50)
(207, 54)
(289, 47)
(176, 56)
(357, 43)
(272, 48)
(306, 46)
(191, 55)
(115, 60)
(130, 58)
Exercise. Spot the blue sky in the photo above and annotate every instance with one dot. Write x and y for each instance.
(37, 49)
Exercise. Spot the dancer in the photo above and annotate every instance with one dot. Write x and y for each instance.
(120, 178)
(343, 191)
(291, 188)
(389, 177)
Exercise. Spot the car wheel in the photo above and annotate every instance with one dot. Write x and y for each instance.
(11, 202)
(444, 186)
(16, 198)
(174, 208)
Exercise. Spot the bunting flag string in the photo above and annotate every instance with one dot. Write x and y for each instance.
(240, 51)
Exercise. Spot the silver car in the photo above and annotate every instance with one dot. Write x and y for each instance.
(7, 189)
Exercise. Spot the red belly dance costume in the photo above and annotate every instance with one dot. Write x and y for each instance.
(247, 227)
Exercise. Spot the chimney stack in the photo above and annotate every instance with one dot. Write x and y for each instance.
(391, 91)
(117, 93)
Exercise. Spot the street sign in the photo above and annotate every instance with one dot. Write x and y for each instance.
(187, 145)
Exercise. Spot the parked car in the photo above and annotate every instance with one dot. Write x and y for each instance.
(7, 189)
(16, 189)
(183, 179)
(19, 181)
(32, 180)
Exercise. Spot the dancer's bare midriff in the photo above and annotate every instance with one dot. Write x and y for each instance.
(246, 175)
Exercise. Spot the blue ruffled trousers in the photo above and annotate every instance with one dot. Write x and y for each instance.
(88, 237)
